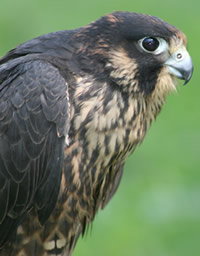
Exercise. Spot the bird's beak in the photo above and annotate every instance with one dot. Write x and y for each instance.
(180, 65)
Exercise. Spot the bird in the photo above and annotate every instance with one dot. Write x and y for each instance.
(74, 104)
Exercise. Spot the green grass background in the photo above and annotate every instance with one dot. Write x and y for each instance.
(156, 210)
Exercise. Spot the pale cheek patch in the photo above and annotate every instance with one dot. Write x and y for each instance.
(123, 67)
(166, 83)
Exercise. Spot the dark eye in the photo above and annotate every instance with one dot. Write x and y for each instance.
(150, 44)
(154, 45)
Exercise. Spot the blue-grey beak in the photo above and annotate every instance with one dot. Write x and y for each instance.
(180, 65)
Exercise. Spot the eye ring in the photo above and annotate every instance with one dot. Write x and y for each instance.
(153, 45)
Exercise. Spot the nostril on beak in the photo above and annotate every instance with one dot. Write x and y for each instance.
(179, 56)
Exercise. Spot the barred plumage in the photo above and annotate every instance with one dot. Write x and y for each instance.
(73, 106)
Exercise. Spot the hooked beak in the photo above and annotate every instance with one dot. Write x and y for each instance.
(180, 65)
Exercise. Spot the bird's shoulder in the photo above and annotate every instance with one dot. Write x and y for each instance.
(52, 44)
(34, 113)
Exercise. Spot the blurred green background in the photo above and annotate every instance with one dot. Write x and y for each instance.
(156, 210)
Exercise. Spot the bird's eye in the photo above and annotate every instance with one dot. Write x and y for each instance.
(153, 45)
(150, 44)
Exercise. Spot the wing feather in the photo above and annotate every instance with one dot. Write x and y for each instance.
(33, 107)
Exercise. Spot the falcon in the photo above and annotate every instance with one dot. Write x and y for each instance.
(73, 105)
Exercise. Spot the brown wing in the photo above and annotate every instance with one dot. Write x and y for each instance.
(113, 182)
(33, 123)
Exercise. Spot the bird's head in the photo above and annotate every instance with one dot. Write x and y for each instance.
(140, 52)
